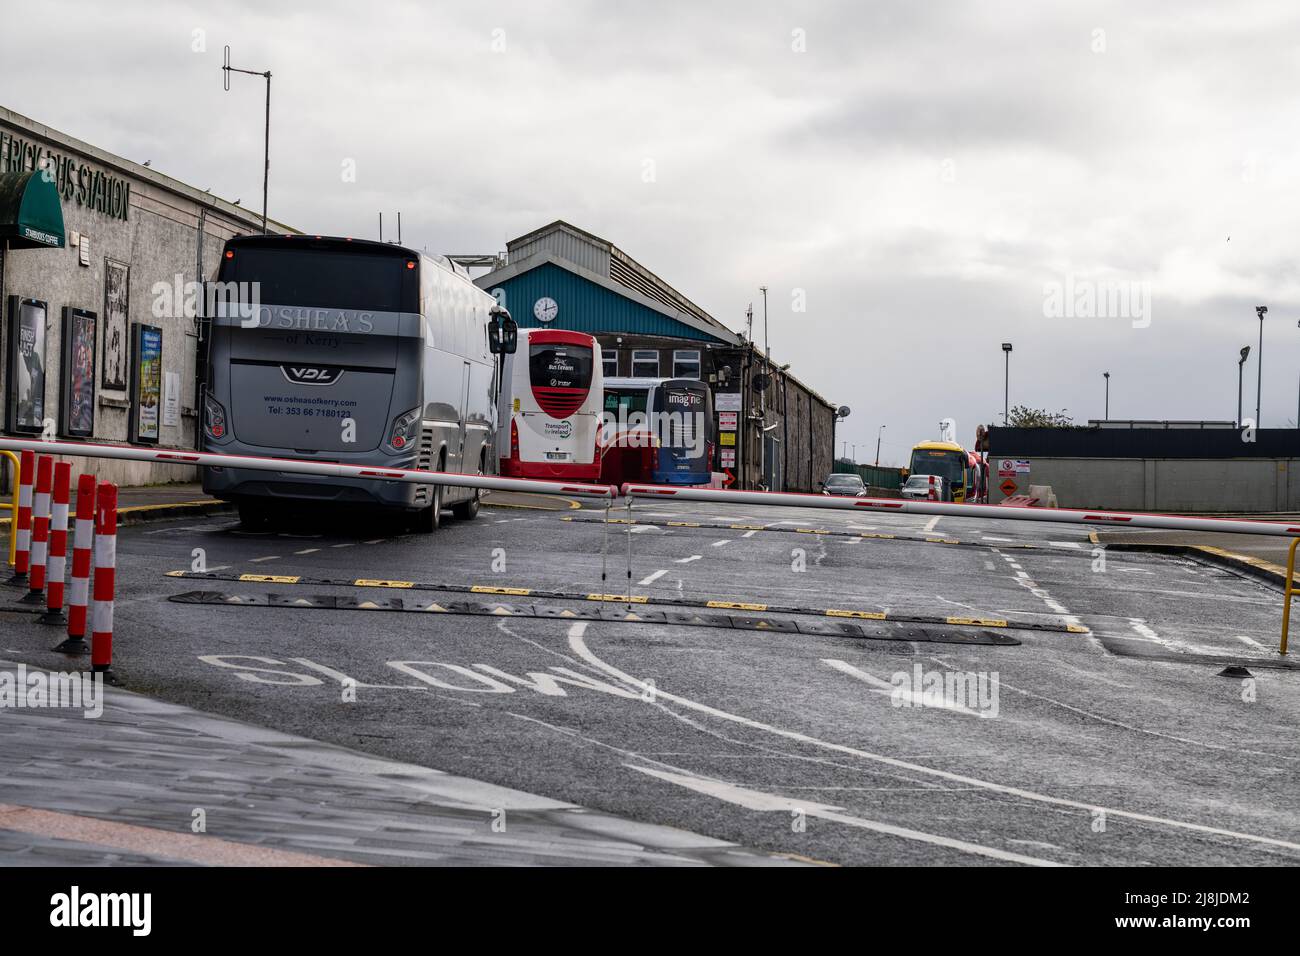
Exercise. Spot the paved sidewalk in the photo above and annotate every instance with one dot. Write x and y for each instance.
(124, 788)
(1261, 556)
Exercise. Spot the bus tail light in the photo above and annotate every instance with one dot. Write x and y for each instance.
(514, 439)
(405, 430)
(214, 417)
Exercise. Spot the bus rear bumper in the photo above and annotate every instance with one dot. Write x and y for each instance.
(233, 484)
(553, 471)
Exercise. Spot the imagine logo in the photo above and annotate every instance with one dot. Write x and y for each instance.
(655, 430)
(975, 691)
(38, 690)
(1090, 299)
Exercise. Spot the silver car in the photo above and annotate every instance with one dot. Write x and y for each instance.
(846, 484)
(919, 486)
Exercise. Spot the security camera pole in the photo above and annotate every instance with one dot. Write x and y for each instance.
(1241, 364)
(266, 169)
(1006, 395)
(1260, 310)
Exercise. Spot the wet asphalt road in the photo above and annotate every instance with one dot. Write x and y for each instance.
(1121, 745)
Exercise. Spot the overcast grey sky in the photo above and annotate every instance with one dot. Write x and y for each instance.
(919, 172)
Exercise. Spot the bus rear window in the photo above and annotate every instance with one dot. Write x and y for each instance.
(326, 278)
(559, 366)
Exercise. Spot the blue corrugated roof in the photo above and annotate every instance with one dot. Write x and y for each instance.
(585, 306)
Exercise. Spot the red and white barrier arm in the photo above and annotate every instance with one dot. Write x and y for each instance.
(296, 466)
(1108, 519)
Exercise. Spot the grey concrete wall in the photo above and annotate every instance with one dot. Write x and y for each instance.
(1166, 484)
(159, 241)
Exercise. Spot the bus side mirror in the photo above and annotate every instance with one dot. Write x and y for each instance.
(503, 333)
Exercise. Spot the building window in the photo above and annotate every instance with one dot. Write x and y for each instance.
(645, 363)
(609, 362)
(686, 363)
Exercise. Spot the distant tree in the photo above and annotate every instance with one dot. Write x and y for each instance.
(1022, 416)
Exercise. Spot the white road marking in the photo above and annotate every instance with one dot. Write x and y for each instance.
(1250, 641)
(579, 647)
(642, 527)
(694, 557)
(307, 551)
(346, 544)
(1065, 544)
(375, 541)
(990, 537)
(749, 534)
(718, 544)
(759, 800)
(929, 525)
(269, 557)
(652, 578)
(219, 567)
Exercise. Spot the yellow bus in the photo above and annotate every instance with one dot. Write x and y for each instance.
(947, 460)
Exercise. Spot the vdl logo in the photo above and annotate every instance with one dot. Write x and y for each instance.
(312, 374)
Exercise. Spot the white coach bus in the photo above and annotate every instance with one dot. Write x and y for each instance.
(550, 424)
(349, 351)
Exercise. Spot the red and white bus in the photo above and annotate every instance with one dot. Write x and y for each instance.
(551, 407)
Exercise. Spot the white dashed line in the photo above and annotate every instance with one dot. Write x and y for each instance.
(652, 578)
(718, 544)
(929, 525)
(749, 534)
(307, 551)
(694, 557)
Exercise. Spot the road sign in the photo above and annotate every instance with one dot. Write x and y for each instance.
(730, 479)
(1008, 487)
(1006, 468)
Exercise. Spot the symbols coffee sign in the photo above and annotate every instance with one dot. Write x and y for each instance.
(76, 181)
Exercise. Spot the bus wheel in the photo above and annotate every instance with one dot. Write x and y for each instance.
(430, 519)
(468, 510)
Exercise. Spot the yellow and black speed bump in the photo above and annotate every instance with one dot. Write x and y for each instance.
(872, 535)
(668, 601)
(624, 615)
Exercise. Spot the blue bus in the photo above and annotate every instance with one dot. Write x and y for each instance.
(682, 421)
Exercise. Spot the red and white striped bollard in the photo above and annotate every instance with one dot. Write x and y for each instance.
(23, 529)
(40, 530)
(56, 565)
(83, 540)
(101, 637)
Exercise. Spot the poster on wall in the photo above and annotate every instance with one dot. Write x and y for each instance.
(146, 377)
(78, 373)
(27, 362)
(171, 398)
(117, 276)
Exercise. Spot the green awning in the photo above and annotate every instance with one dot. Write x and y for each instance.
(31, 216)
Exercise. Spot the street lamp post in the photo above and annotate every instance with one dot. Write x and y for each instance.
(878, 433)
(1241, 364)
(1006, 394)
(266, 167)
(1106, 375)
(1261, 311)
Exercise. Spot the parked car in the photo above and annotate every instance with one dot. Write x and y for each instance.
(848, 485)
(921, 486)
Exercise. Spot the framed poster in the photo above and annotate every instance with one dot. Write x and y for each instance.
(27, 361)
(146, 383)
(117, 281)
(77, 409)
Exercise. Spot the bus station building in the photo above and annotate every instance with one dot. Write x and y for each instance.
(774, 431)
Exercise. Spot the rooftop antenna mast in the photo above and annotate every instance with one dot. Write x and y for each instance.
(227, 69)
